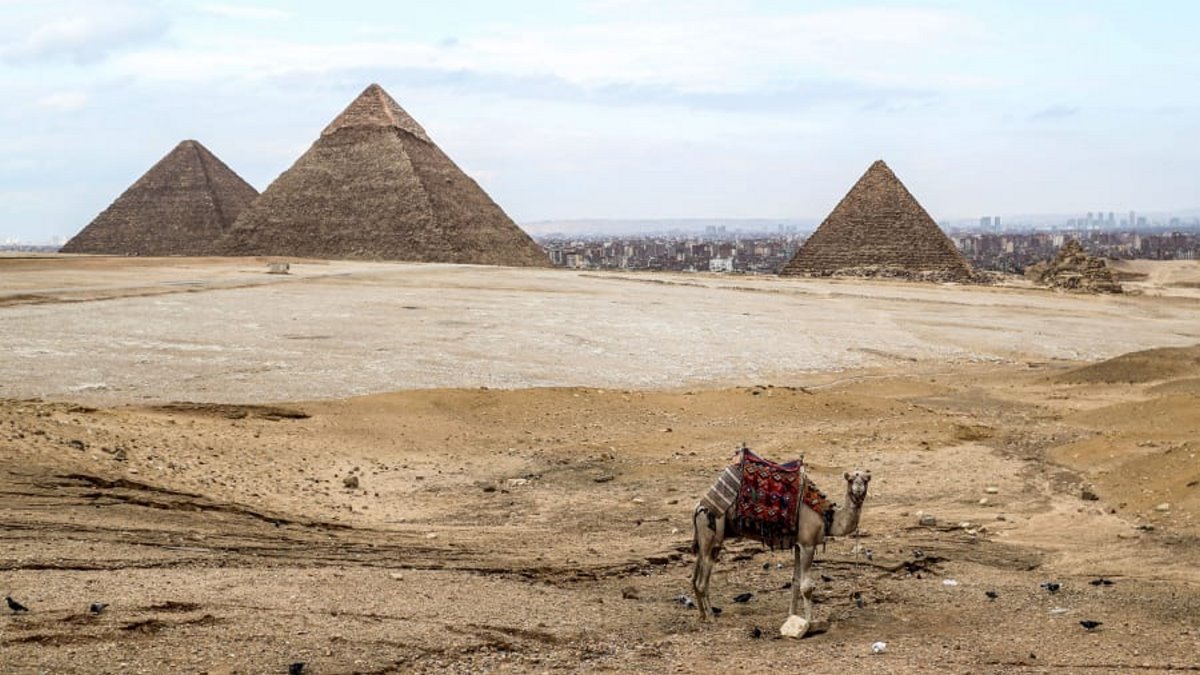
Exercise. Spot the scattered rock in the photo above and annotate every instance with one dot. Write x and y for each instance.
(926, 519)
(1074, 270)
(1163, 507)
(878, 647)
(950, 582)
(351, 482)
(603, 479)
(794, 627)
(992, 490)
(630, 593)
(1088, 494)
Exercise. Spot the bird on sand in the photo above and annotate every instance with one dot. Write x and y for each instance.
(1101, 582)
(296, 668)
(1051, 586)
(992, 595)
(1089, 625)
(743, 597)
(97, 607)
(15, 606)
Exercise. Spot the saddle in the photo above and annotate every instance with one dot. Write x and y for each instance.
(760, 498)
(767, 499)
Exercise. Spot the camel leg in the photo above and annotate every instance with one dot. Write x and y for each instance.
(804, 560)
(707, 542)
(797, 580)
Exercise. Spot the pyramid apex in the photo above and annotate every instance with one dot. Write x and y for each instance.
(374, 108)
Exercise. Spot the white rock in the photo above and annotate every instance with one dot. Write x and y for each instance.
(1059, 610)
(397, 576)
(1163, 507)
(878, 647)
(794, 627)
(949, 582)
(983, 501)
(992, 490)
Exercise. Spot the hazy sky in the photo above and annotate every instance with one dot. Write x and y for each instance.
(621, 108)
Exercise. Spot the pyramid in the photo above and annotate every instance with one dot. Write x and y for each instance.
(879, 229)
(374, 186)
(181, 206)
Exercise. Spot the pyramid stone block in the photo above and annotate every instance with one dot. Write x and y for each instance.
(181, 206)
(374, 186)
(879, 229)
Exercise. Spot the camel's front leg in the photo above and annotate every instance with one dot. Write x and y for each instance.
(804, 560)
(708, 535)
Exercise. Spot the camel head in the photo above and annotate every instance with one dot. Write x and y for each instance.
(856, 485)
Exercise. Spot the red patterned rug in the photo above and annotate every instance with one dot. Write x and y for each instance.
(767, 500)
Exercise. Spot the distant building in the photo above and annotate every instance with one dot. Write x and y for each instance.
(720, 265)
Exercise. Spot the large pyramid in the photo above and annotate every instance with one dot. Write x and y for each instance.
(181, 206)
(879, 229)
(374, 186)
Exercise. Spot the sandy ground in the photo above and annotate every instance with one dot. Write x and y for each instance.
(191, 470)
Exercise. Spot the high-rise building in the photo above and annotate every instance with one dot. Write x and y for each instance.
(985, 222)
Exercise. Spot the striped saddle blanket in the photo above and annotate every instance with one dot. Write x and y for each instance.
(761, 498)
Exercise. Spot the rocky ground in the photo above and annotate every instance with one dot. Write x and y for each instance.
(547, 528)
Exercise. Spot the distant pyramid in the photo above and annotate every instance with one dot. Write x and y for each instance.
(181, 206)
(879, 229)
(374, 186)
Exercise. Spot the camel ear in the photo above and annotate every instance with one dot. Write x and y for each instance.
(867, 477)
(846, 475)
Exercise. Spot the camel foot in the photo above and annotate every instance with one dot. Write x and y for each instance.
(795, 627)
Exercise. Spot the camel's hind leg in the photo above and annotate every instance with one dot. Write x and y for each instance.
(709, 533)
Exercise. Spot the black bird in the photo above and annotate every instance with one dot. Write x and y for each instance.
(1051, 586)
(755, 632)
(786, 585)
(858, 600)
(685, 601)
(296, 668)
(716, 611)
(870, 554)
(992, 595)
(1091, 625)
(15, 606)
(97, 607)
(826, 578)
(766, 566)
(743, 597)
(1101, 582)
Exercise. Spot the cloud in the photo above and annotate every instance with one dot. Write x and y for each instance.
(713, 56)
(64, 101)
(85, 34)
(1054, 112)
(244, 11)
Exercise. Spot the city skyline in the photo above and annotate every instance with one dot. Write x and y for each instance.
(619, 109)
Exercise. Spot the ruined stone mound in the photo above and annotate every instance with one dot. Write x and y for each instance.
(181, 206)
(880, 230)
(374, 186)
(1164, 363)
(1074, 270)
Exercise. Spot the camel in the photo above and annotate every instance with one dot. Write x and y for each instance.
(711, 529)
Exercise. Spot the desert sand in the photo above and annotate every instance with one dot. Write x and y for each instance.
(382, 468)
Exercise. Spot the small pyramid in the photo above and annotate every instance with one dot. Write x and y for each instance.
(374, 186)
(181, 206)
(879, 229)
